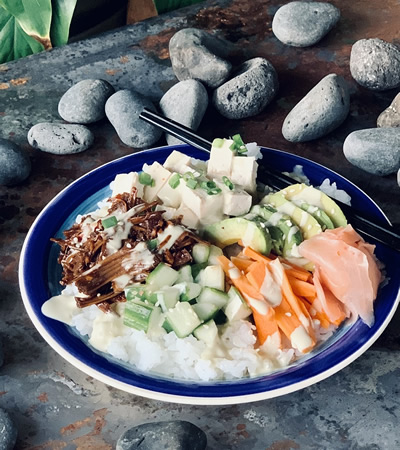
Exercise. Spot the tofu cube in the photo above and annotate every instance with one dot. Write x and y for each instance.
(221, 160)
(208, 208)
(124, 182)
(244, 172)
(236, 202)
(177, 161)
(169, 213)
(170, 196)
(189, 219)
(160, 175)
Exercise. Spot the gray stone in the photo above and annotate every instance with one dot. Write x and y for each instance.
(375, 150)
(123, 109)
(8, 431)
(391, 116)
(252, 87)
(172, 435)
(185, 103)
(15, 165)
(59, 138)
(196, 54)
(398, 177)
(84, 101)
(301, 24)
(322, 110)
(375, 64)
(1, 353)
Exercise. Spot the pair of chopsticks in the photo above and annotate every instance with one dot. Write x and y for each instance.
(277, 180)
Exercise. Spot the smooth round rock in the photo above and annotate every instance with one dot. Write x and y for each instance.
(172, 435)
(185, 103)
(375, 150)
(301, 24)
(1, 353)
(84, 101)
(15, 165)
(8, 431)
(375, 64)
(322, 110)
(390, 117)
(196, 54)
(59, 138)
(253, 86)
(123, 109)
(398, 177)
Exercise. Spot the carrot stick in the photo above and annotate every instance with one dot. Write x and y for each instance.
(241, 263)
(301, 287)
(255, 255)
(300, 275)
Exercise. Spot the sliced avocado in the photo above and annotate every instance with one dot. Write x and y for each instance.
(315, 197)
(319, 215)
(289, 235)
(230, 231)
(305, 221)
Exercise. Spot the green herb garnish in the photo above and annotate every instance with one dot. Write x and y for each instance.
(174, 180)
(217, 143)
(152, 244)
(191, 183)
(109, 222)
(145, 179)
(228, 183)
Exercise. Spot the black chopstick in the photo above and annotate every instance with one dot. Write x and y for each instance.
(383, 233)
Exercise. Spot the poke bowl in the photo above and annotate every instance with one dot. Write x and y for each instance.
(40, 275)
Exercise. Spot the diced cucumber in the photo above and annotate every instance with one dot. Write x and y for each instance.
(200, 253)
(141, 316)
(213, 277)
(220, 318)
(161, 276)
(185, 274)
(168, 297)
(183, 319)
(167, 327)
(214, 253)
(137, 292)
(196, 269)
(214, 296)
(207, 332)
(205, 311)
(236, 308)
(188, 291)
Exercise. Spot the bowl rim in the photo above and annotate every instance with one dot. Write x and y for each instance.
(170, 397)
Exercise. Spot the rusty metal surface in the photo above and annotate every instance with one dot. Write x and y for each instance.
(56, 406)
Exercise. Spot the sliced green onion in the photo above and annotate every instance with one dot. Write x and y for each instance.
(214, 191)
(238, 145)
(228, 183)
(188, 176)
(217, 143)
(191, 183)
(145, 178)
(174, 180)
(210, 187)
(109, 222)
(152, 244)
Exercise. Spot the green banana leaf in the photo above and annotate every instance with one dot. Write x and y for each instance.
(63, 11)
(30, 26)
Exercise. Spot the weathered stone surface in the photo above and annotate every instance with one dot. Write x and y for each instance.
(375, 64)
(84, 101)
(301, 24)
(398, 177)
(8, 431)
(1, 353)
(122, 110)
(59, 138)
(185, 103)
(391, 116)
(196, 54)
(322, 110)
(375, 150)
(172, 435)
(250, 90)
(15, 165)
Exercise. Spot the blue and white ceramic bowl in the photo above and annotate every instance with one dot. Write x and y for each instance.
(40, 274)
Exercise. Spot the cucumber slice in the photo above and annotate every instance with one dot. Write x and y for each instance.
(214, 253)
(141, 316)
(183, 319)
(168, 297)
(185, 274)
(136, 292)
(161, 276)
(208, 332)
(205, 311)
(213, 277)
(214, 296)
(197, 268)
(236, 308)
(200, 253)
(189, 291)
